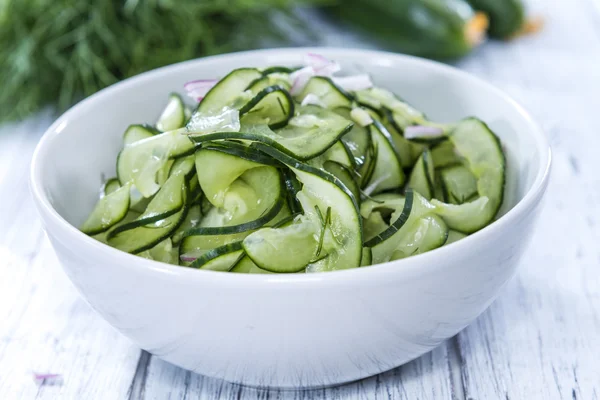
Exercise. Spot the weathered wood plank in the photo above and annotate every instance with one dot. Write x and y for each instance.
(425, 378)
(45, 325)
(541, 338)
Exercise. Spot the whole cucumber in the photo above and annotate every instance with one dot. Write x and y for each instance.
(439, 29)
(506, 16)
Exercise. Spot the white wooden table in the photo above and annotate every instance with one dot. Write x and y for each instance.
(539, 340)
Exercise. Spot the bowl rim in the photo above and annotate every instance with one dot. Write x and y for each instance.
(410, 267)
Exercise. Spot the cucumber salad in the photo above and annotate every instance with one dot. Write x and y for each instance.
(285, 170)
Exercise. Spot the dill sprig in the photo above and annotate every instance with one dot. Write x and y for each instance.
(55, 52)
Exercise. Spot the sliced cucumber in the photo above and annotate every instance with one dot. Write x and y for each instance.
(403, 114)
(139, 162)
(367, 257)
(445, 155)
(109, 210)
(467, 217)
(246, 266)
(358, 140)
(193, 247)
(485, 159)
(173, 116)
(336, 153)
(339, 247)
(427, 233)
(110, 186)
(227, 91)
(388, 173)
(163, 252)
(143, 238)
(459, 183)
(454, 236)
(242, 151)
(168, 201)
(218, 171)
(422, 176)
(483, 152)
(192, 220)
(345, 176)
(331, 95)
(220, 259)
(406, 222)
(135, 133)
(251, 201)
(308, 134)
(272, 79)
(272, 106)
(286, 249)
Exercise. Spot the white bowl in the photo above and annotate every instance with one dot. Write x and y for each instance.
(291, 330)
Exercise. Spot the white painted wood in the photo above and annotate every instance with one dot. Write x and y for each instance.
(540, 340)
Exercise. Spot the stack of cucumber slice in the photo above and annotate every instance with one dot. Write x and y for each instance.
(267, 177)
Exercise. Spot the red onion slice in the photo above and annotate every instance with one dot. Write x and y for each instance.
(421, 131)
(197, 89)
(188, 258)
(321, 65)
(300, 78)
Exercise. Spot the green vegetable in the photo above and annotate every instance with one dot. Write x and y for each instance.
(439, 29)
(288, 188)
(507, 17)
(55, 52)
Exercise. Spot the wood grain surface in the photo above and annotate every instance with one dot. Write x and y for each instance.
(539, 340)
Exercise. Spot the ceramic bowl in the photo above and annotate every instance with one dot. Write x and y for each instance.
(290, 330)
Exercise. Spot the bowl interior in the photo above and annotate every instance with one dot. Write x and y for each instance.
(80, 149)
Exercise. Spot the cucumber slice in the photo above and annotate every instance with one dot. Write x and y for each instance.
(139, 162)
(308, 134)
(218, 170)
(467, 217)
(272, 79)
(454, 236)
(143, 238)
(109, 210)
(285, 250)
(173, 116)
(110, 186)
(242, 151)
(403, 114)
(192, 220)
(183, 166)
(246, 266)
(278, 69)
(193, 247)
(227, 90)
(331, 95)
(135, 133)
(388, 173)
(220, 259)
(427, 233)
(460, 184)
(341, 243)
(168, 201)
(344, 175)
(293, 186)
(163, 252)
(422, 176)
(445, 155)
(483, 152)
(251, 201)
(406, 222)
(336, 153)
(357, 140)
(367, 257)
(272, 106)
